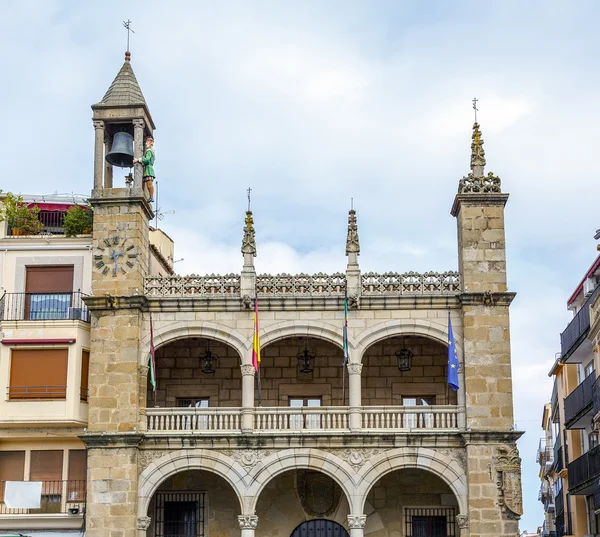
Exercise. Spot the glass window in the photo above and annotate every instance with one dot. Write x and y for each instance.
(305, 421)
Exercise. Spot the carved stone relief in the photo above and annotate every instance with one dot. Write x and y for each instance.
(508, 471)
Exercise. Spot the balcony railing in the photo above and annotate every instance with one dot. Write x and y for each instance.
(310, 419)
(559, 503)
(579, 401)
(58, 497)
(584, 471)
(563, 524)
(578, 327)
(596, 396)
(558, 455)
(36, 392)
(43, 307)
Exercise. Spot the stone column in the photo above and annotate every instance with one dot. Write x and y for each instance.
(98, 153)
(138, 150)
(354, 400)
(248, 373)
(356, 524)
(247, 524)
(143, 523)
(108, 168)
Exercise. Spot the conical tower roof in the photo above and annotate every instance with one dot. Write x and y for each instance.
(124, 90)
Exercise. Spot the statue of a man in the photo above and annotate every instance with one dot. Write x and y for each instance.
(148, 162)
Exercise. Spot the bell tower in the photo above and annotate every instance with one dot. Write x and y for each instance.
(121, 250)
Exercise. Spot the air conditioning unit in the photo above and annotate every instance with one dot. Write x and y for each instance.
(78, 314)
(588, 286)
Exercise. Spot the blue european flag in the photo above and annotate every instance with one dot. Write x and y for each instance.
(452, 358)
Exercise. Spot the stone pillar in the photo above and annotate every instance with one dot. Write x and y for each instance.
(356, 524)
(143, 523)
(138, 150)
(248, 373)
(98, 153)
(353, 279)
(247, 524)
(108, 168)
(354, 399)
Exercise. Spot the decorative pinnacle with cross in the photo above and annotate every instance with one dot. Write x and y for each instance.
(475, 108)
(249, 191)
(127, 25)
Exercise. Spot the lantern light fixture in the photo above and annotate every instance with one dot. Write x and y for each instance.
(306, 360)
(404, 357)
(208, 361)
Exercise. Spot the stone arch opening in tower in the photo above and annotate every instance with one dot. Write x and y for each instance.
(411, 502)
(182, 379)
(195, 503)
(296, 496)
(283, 383)
(424, 384)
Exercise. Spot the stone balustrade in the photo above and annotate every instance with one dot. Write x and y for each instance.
(303, 419)
(290, 285)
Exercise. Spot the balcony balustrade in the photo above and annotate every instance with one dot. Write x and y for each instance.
(304, 419)
(579, 402)
(559, 503)
(558, 455)
(584, 472)
(43, 307)
(578, 328)
(596, 396)
(563, 524)
(58, 497)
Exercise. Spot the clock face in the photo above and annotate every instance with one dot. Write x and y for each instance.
(114, 255)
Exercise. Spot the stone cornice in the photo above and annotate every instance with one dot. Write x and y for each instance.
(111, 302)
(121, 196)
(303, 303)
(486, 299)
(111, 440)
(478, 199)
(491, 437)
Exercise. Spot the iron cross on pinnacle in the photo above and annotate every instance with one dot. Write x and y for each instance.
(249, 191)
(475, 108)
(127, 25)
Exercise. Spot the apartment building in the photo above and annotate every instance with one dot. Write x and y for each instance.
(44, 363)
(569, 423)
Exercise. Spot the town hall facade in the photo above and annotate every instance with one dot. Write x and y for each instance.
(381, 447)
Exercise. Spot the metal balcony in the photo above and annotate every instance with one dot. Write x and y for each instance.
(584, 472)
(578, 404)
(577, 330)
(43, 307)
(58, 497)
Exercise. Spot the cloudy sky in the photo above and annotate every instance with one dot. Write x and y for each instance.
(314, 102)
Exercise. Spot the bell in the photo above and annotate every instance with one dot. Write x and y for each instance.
(121, 152)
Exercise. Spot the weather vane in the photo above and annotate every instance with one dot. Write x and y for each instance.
(475, 108)
(249, 191)
(127, 25)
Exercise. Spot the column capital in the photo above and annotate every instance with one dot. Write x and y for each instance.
(139, 123)
(247, 369)
(143, 522)
(357, 521)
(98, 124)
(462, 521)
(248, 522)
(355, 369)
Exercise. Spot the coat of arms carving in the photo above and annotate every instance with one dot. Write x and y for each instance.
(319, 494)
(508, 468)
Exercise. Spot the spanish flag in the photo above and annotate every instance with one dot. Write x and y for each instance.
(255, 339)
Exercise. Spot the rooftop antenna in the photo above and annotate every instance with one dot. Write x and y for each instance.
(249, 192)
(475, 108)
(127, 25)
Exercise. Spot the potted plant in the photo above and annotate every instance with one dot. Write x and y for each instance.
(23, 220)
(78, 220)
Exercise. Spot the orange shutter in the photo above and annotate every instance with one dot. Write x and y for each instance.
(56, 279)
(12, 466)
(85, 368)
(38, 374)
(47, 466)
(77, 475)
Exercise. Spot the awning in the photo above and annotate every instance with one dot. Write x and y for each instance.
(51, 206)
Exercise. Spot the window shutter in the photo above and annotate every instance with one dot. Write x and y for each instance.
(56, 279)
(12, 467)
(38, 374)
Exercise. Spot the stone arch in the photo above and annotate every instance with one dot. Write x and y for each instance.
(430, 460)
(299, 459)
(402, 327)
(167, 333)
(188, 459)
(302, 328)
